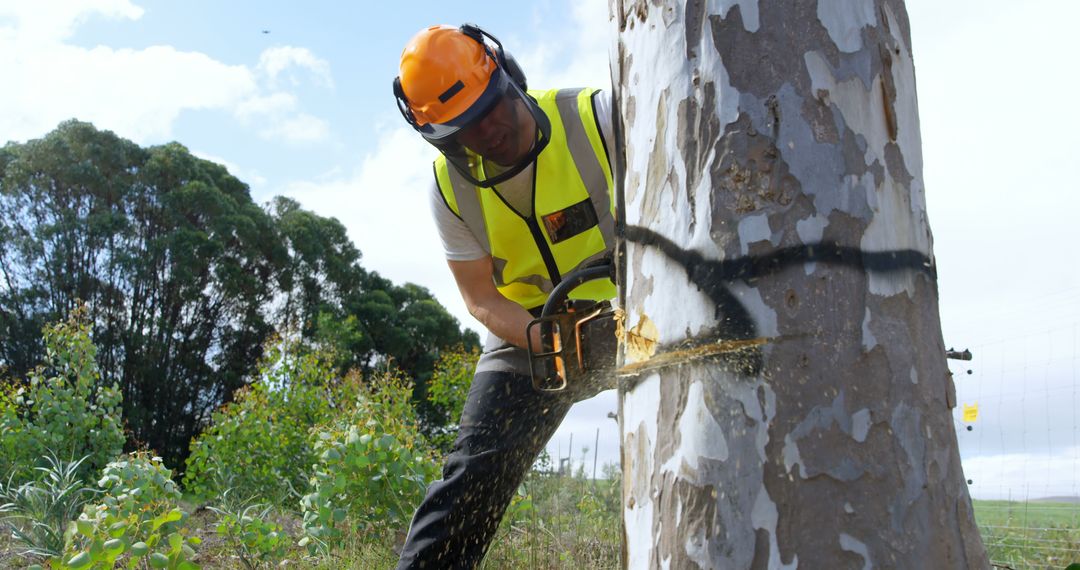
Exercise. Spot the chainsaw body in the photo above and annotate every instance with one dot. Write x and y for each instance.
(566, 353)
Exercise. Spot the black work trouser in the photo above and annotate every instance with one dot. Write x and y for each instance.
(504, 425)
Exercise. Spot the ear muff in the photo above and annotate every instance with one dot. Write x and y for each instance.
(403, 104)
(511, 66)
(501, 56)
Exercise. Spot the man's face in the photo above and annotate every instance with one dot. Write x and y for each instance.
(505, 135)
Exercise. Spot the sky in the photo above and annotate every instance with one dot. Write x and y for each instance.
(295, 99)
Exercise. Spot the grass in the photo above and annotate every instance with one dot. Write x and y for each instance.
(1031, 534)
(554, 523)
(557, 523)
(562, 523)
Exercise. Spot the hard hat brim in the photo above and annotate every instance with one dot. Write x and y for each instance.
(497, 87)
(473, 167)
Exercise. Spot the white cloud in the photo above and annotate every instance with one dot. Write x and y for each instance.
(274, 103)
(299, 129)
(1024, 476)
(998, 142)
(137, 93)
(48, 21)
(276, 60)
(579, 58)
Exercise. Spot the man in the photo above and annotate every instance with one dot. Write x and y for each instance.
(522, 196)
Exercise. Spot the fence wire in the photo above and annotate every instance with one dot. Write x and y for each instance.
(1019, 431)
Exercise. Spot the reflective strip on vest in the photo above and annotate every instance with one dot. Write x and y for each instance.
(571, 169)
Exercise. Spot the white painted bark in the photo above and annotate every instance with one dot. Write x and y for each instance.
(774, 195)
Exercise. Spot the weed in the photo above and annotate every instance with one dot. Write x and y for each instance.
(246, 529)
(39, 511)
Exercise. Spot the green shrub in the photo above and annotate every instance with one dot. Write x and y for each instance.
(447, 389)
(39, 510)
(63, 408)
(259, 443)
(373, 468)
(247, 531)
(137, 521)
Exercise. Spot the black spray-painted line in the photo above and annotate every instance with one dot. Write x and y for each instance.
(712, 276)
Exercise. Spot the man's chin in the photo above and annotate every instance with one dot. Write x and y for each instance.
(502, 161)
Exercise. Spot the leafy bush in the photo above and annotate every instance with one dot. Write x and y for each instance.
(259, 443)
(446, 393)
(63, 408)
(373, 468)
(246, 530)
(39, 511)
(137, 518)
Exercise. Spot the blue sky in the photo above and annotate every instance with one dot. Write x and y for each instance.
(331, 93)
(306, 111)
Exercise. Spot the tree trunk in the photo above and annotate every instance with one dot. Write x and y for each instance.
(784, 395)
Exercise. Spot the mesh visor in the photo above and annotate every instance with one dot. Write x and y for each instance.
(497, 137)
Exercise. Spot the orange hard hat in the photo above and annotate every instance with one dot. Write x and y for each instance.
(443, 72)
(451, 78)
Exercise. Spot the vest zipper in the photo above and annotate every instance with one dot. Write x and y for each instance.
(538, 236)
(545, 251)
(534, 229)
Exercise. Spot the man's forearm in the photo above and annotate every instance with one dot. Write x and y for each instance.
(503, 317)
(506, 319)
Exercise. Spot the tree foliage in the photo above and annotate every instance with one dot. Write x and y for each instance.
(185, 278)
(167, 251)
(327, 297)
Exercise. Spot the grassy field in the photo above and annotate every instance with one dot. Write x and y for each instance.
(1023, 535)
(570, 522)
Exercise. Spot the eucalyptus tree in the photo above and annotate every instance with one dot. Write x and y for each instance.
(166, 250)
(784, 400)
(185, 278)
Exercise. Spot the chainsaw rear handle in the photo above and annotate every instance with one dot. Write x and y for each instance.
(552, 351)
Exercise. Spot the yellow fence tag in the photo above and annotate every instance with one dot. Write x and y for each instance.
(971, 413)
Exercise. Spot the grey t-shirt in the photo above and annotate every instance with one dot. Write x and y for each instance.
(459, 243)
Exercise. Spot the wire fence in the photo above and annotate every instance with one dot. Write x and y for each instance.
(1017, 426)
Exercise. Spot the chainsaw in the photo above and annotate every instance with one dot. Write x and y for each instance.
(564, 354)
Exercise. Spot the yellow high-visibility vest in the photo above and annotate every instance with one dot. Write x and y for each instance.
(573, 217)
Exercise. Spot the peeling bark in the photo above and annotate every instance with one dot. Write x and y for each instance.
(795, 411)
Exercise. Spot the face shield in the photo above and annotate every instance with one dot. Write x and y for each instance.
(496, 138)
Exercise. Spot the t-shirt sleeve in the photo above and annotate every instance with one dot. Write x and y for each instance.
(459, 243)
(602, 108)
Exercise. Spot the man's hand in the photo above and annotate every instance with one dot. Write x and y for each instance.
(503, 317)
